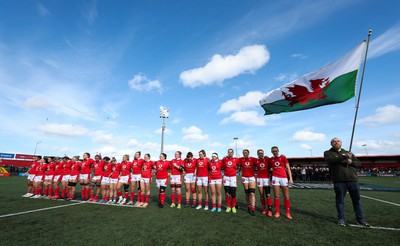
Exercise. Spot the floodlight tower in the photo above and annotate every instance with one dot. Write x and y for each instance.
(236, 139)
(34, 153)
(164, 114)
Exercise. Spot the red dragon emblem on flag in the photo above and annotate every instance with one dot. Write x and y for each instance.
(302, 95)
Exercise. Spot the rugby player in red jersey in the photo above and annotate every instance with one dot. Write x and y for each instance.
(135, 178)
(215, 166)
(48, 178)
(247, 165)
(96, 179)
(230, 164)
(124, 179)
(263, 182)
(114, 177)
(66, 171)
(280, 172)
(58, 177)
(31, 177)
(38, 181)
(145, 180)
(74, 176)
(176, 179)
(105, 181)
(84, 177)
(189, 165)
(162, 167)
(202, 179)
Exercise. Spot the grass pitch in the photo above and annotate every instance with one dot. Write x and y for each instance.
(313, 211)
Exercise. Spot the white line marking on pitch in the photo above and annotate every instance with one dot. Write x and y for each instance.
(38, 210)
(379, 200)
(376, 227)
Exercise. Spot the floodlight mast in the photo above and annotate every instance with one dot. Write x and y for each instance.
(164, 114)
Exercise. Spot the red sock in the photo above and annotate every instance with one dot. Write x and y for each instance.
(179, 198)
(173, 198)
(287, 205)
(219, 206)
(194, 201)
(214, 205)
(40, 190)
(199, 203)
(162, 198)
(132, 195)
(187, 202)
(277, 206)
(119, 193)
(139, 196)
(87, 193)
(143, 198)
(228, 201)
(96, 198)
(253, 208)
(147, 198)
(263, 203)
(234, 202)
(63, 192)
(206, 203)
(269, 201)
(126, 195)
(46, 190)
(83, 192)
(68, 191)
(37, 191)
(57, 192)
(50, 191)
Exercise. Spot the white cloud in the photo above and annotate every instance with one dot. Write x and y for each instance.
(299, 56)
(387, 42)
(247, 118)
(89, 11)
(42, 10)
(193, 134)
(249, 100)
(175, 147)
(286, 77)
(383, 115)
(64, 130)
(102, 138)
(142, 83)
(376, 147)
(305, 146)
(217, 145)
(36, 102)
(247, 60)
(307, 136)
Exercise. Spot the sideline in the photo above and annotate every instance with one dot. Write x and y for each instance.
(376, 227)
(379, 200)
(38, 210)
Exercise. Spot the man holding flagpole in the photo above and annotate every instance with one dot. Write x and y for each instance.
(342, 166)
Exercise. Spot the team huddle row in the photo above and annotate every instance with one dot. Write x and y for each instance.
(200, 175)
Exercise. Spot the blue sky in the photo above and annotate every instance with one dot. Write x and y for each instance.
(90, 76)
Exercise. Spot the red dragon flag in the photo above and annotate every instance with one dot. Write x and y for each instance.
(334, 83)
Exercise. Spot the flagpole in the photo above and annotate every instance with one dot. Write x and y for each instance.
(359, 93)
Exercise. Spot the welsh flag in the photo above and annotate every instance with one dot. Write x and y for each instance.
(334, 83)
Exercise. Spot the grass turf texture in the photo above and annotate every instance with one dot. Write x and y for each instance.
(313, 211)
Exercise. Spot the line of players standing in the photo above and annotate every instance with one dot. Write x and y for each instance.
(200, 174)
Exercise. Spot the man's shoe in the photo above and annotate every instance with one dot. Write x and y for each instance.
(130, 203)
(213, 210)
(179, 206)
(219, 210)
(198, 207)
(172, 205)
(206, 208)
(193, 206)
(228, 210)
(277, 215)
(288, 216)
(269, 214)
(234, 210)
(341, 222)
(363, 223)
